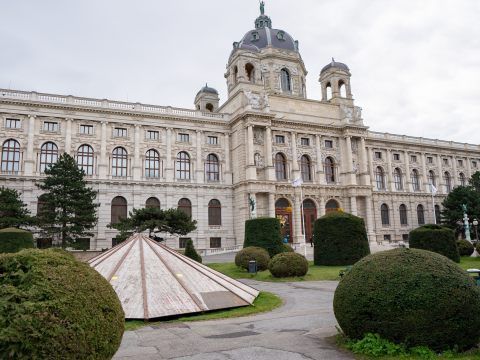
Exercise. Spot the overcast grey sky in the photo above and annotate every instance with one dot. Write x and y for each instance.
(415, 63)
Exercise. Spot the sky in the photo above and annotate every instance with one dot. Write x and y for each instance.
(415, 64)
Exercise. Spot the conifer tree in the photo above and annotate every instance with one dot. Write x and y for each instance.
(191, 252)
(13, 211)
(68, 210)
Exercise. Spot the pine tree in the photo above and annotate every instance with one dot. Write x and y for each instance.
(13, 211)
(68, 210)
(191, 252)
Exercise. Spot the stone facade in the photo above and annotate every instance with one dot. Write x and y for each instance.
(250, 148)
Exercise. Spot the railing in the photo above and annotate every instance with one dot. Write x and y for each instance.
(223, 250)
(97, 103)
(421, 140)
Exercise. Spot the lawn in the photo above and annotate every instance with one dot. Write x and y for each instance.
(314, 273)
(468, 262)
(264, 302)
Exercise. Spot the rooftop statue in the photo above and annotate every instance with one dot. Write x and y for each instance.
(262, 7)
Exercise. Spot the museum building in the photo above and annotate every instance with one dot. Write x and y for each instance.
(225, 163)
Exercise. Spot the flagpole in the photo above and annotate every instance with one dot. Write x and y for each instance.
(303, 222)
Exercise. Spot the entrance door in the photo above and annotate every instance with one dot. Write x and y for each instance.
(283, 212)
(309, 216)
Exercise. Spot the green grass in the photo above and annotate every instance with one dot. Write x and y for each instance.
(314, 273)
(264, 302)
(467, 262)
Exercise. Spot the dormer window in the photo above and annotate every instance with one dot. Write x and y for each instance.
(281, 35)
(255, 36)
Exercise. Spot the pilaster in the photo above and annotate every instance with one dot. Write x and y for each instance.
(169, 164)
(103, 163)
(29, 160)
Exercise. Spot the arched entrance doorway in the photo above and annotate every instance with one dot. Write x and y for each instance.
(283, 212)
(309, 217)
(331, 205)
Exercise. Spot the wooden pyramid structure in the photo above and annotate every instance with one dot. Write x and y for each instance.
(153, 281)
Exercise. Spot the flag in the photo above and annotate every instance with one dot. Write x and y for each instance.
(297, 182)
(433, 189)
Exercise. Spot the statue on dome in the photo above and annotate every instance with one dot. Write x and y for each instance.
(262, 7)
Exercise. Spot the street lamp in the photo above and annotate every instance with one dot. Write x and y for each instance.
(475, 224)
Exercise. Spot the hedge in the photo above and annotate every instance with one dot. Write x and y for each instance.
(258, 254)
(465, 247)
(13, 240)
(436, 238)
(288, 264)
(264, 233)
(54, 307)
(410, 296)
(340, 239)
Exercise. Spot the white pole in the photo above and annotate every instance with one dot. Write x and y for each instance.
(303, 222)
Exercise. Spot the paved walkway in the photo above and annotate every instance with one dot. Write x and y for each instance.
(301, 329)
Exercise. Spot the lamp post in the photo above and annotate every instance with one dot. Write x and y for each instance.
(475, 224)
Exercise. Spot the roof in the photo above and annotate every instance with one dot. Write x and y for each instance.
(335, 64)
(152, 281)
(262, 37)
(207, 89)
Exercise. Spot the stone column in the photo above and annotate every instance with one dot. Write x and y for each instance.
(454, 175)
(227, 173)
(365, 177)
(251, 169)
(68, 135)
(370, 165)
(103, 164)
(469, 167)
(370, 220)
(29, 158)
(320, 179)
(353, 205)
(297, 219)
(295, 167)
(389, 171)
(424, 177)
(270, 170)
(321, 206)
(348, 164)
(440, 175)
(271, 204)
(169, 166)
(199, 168)
(407, 173)
(137, 164)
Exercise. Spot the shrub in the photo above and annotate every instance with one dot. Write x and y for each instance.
(264, 233)
(410, 296)
(287, 248)
(436, 238)
(252, 253)
(191, 253)
(288, 264)
(340, 239)
(13, 240)
(53, 307)
(465, 247)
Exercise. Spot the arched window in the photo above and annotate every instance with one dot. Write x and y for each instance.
(384, 214)
(380, 178)
(306, 168)
(415, 180)
(152, 202)
(431, 178)
(48, 155)
(280, 166)
(328, 91)
(403, 214)
(397, 178)
(235, 74)
(214, 212)
(85, 159)
(186, 206)
(329, 170)
(448, 182)
(462, 179)
(437, 214)
(285, 80)
(118, 209)
(420, 214)
(183, 166)
(209, 107)
(331, 205)
(250, 71)
(212, 168)
(41, 204)
(282, 203)
(11, 156)
(152, 164)
(119, 161)
(342, 89)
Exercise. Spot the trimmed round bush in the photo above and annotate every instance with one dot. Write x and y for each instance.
(13, 240)
(264, 233)
(288, 264)
(410, 296)
(287, 248)
(252, 253)
(465, 247)
(340, 239)
(54, 307)
(436, 238)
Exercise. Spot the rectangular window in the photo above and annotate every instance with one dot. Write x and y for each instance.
(182, 242)
(212, 140)
(405, 237)
(460, 162)
(474, 164)
(153, 135)
(387, 238)
(183, 137)
(280, 139)
(413, 158)
(12, 123)
(86, 129)
(328, 144)
(429, 159)
(378, 155)
(305, 141)
(396, 157)
(120, 132)
(445, 161)
(50, 126)
(215, 242)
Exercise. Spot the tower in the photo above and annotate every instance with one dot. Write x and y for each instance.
(207, 99)
(335, 83)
